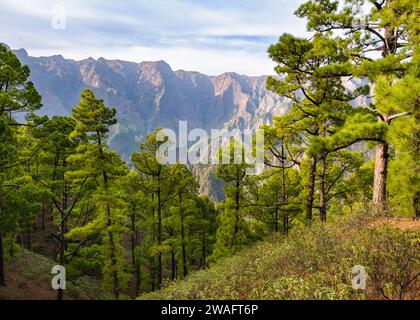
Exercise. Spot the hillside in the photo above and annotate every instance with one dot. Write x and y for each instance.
(320, 269)
(316, 263)
(28, 277)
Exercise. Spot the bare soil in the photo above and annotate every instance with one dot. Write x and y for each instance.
(402, 223)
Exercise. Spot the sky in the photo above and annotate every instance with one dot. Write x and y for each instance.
(211, 37)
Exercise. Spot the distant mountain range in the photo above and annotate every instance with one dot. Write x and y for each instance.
(149, 95)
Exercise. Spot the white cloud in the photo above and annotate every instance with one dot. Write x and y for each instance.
(207, 36)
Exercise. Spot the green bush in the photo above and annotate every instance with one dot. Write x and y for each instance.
(311, 263)
(391, 257)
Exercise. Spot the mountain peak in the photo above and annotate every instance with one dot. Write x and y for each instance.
(58, 57)
(160, 65)
(20, 52)
(155, 72)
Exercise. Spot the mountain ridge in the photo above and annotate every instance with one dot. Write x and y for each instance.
(149, 94)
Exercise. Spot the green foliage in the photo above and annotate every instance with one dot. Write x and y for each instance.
(311, 263)
(103, 212)
(177, 226)
(392, 260)
(87, 262)
(97, 162)
(380, 43)
(17, 94)
(233, 230)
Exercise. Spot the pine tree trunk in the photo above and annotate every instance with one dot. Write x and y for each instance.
(416, 199)
(322, 199)
(203, 248)
(133, 239)
(60, 292)
(64, 205)
(416, 204)
(153, 275)
(116, 287)
(159, 239)
(11, 250)
(43, 215)
(311, 190)
(380, 175)
(63, 228)
(184, 250)
(283, 193)
(138, 279)
(135, 263)
(276, 220)
(133, 249)
(2, 277)
(152, 264)
(285, 224)
(237, 208)
(173, 265)
(28, 237)
(379, 204)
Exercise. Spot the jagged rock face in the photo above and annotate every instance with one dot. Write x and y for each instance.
(149, 95)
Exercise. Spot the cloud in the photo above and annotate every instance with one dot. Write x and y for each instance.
(200, 35)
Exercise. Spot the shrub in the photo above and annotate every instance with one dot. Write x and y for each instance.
(391, 258)
(312, 263)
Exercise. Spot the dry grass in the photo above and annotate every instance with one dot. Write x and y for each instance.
(401, 223)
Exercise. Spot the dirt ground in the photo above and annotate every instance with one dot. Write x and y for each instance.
(28, 277)
(23, 280)
(402, 223)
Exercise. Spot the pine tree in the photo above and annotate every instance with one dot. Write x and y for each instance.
(65, 196)
(320, 106)
(157, 181)
(363, 28)
(204, 229)
(138, 204)
(17, 94)
(232, 232)
(284, 150)
(92, 124)
(186, 187)
(279, 198)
